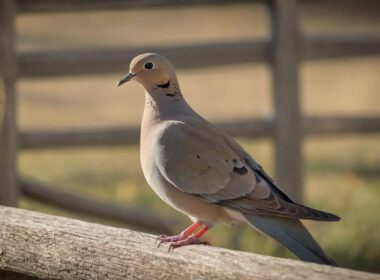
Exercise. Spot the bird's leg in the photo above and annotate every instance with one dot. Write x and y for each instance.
(190, 240)
(183, 235)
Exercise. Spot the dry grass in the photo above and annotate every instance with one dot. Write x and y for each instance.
(342, 174)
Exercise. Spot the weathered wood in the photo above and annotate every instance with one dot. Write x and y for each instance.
(288, 133)
(83, 5)
(136, 217)
(8, 136)
(248, 128)
(74, 62)
(59, 248)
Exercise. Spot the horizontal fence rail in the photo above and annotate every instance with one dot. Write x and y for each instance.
(337, 46)
(27, 6)
(250, 128)
(75, 62)
(51, 247)
(123, 135)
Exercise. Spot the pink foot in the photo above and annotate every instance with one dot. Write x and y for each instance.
(169, 239)
(184, 238)
(190, 240)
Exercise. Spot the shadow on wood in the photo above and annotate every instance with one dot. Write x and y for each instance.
(53, 247)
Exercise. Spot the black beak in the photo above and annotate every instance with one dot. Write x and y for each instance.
(125, 79)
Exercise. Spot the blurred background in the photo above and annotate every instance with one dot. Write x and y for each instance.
(341, 173)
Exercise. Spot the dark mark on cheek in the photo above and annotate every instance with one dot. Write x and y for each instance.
(166, 85)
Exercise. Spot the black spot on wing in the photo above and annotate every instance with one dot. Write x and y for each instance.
(241, 171)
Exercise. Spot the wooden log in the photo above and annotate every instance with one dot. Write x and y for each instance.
(133, 216)
(8, 135)
(27, 6)
(75, 62)
(51, 247)
(285, 72)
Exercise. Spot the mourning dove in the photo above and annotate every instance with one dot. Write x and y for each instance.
(202, 172)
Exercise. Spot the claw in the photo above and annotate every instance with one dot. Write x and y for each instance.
(159, 239)
(159, 243)
(167, 239)
(191, 240)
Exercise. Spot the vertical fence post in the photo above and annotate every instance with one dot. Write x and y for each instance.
(8, 135)
(285, 59)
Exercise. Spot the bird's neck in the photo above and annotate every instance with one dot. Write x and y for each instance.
(164, 105)
(165, 100)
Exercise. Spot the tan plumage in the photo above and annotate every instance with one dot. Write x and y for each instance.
(204, 173)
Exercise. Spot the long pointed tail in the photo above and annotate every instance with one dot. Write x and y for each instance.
(292, 234)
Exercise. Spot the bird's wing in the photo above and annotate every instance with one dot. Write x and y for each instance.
(196, 160)
(199, 159)
(267, 198)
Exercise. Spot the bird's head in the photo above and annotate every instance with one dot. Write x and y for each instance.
(151, 71)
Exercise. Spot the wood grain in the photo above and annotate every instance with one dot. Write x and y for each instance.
(53, 247)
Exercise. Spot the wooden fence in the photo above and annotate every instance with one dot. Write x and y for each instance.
(50, 247)
(284, 52)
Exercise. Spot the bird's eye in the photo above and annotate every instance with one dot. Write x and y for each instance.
(148, 65)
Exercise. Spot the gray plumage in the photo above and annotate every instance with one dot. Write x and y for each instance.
(292, 234)
(202, 172)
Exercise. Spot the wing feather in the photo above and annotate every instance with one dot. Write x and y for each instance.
(201, 160)
(203, 164)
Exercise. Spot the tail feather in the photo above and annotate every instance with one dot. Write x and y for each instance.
(292, 234)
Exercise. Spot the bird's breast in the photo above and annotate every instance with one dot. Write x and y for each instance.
(197, 209)
(149, 148)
